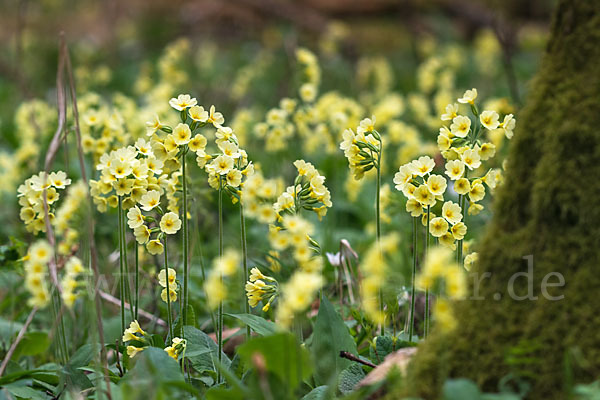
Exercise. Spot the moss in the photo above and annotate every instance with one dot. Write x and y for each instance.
(548, 208)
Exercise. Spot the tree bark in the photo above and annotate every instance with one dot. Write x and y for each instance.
(546, 213)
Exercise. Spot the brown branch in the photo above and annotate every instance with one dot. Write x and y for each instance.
(352, 357)
(13, 346)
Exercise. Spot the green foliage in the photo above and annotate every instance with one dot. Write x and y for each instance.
(202, 351)
(330, 337)
(257, 324)
(282, 355)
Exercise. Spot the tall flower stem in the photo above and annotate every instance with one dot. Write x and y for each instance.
(220, 311)
(137, 275)
(121, 275)
(185, 299)
(459, 250)
(168, 289)
(426, 329)
(244, 261)
(126, 284)
(378, 225)
(412, 286)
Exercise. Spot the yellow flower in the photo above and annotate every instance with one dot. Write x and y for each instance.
(451, 112)
(198, 114)
(123, 186)
(142, 234)
(222, 164)
(172, 278)
(150, 200)
(469, 97)
(455, 169)
(308, 92)
(182, 134)
(423, 165)
(436, 184)
(462, 186)
(40, 252)
(424, 196)
(171, 352)
(132, 351)
(172, 295)
(477, 192)
(155, 247)
(459, 230)
(489, 119)
(443, 315)
(153, 125)
(460, 126)
(508, 124)
(471, 158)
(403, 177)
(182, 102)
(215, 118)
(452, 212)
(470, 260)
(234, 178)
(487, 151)
(255, 274)
(438, 226)
(414, 207)
(447, 240)
(134, 217)
(170, 223)
(198, 142)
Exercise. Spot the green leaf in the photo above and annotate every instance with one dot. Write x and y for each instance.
(257, 324)
(384, 345)
(33, 343)
(283, 356)
(190, 318)
(330, 336)
(350, 377)
(20, 389)
(318, 393)
(460, 389)
(74, 378)
(84, 355)
(154, 375)
(202, 350)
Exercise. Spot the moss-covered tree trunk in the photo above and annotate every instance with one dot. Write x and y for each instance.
(548, 209)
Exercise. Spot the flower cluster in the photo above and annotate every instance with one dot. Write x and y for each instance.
(260, 287)
(31, 199)
(36, 270)
(176, 348)
(258, 194)
(224, 267)
(64, 222)
(374, 269)
(440, 265)
(73, 270)
(311, 74)
(297, 294)
(136, 337)
(172, 284)
(309, 192)
(129, 173)
(363, 148)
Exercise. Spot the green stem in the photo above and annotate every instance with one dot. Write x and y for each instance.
(126, 265)
(378, 227)
(169, 316)
(121, 283)
(185, 241)
(459, 250)
(244, 262)
(412, 287)
(426, 330)
(137, 275)
(220, 311)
